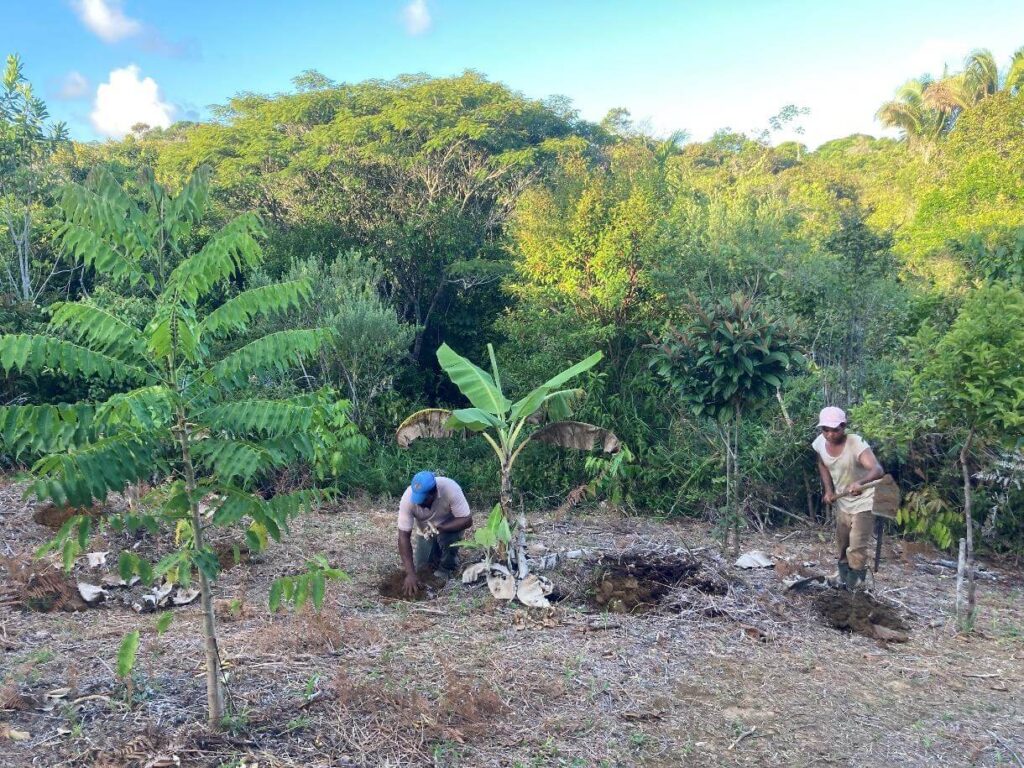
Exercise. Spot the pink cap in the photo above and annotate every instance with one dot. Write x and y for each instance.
(831, 417)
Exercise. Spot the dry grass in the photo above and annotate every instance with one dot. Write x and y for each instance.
(748, 676)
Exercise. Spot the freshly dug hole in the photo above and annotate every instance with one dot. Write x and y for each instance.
(859, 612)
(637, 583)
(391, 585)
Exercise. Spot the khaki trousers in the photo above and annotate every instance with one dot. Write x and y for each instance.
(853, 537)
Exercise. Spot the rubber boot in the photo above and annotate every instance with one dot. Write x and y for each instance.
(855, 579)
(839, 579)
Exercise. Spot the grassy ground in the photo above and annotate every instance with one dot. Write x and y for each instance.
(751, 677)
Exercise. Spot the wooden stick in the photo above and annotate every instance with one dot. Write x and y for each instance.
(741, 737)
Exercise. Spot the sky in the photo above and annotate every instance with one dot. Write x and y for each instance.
(105, 65)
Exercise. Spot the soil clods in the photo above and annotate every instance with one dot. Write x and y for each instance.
(859, 612)
(639, 583)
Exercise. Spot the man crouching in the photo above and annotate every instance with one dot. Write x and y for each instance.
(441, 513)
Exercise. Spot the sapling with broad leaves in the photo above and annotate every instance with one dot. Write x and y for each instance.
(183, 410)
(727, 361)
(508, 427)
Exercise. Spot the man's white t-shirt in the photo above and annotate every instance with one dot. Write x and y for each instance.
(450, 502)
(845, 469)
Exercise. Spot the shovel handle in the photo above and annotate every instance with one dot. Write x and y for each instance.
(866, 486)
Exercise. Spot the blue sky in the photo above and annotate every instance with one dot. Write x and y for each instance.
(104, 65)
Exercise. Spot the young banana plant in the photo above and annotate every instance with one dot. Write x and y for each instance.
(508, 427)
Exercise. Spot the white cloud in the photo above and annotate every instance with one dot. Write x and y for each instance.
(125, 100)
(416, 17)
(74, 85)
(106, 19)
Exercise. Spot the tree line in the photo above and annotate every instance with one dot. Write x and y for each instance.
(733, 287)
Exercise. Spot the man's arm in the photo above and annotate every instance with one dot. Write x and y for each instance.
(411, 583)
(456, 524)
(868, 461)
(826, 482)
(405, 552)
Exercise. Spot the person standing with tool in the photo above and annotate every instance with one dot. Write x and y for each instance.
(846, 463)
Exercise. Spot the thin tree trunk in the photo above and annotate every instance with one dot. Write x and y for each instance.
(961, 582)
(969, 523)
(727, 443)
(810, 498)
(214, 690)
(417, 346)
(737, 482)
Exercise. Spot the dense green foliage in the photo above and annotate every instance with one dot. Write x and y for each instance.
(423, 211)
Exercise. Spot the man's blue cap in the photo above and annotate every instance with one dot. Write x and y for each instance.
(423, 484)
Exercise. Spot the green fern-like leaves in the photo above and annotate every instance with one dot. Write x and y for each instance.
(98, 330)
(234, 315)
(31, 353)
(84, 245)
(274, 352)
(85, 475)
(36, 429)
(266, 418)
(228, 252)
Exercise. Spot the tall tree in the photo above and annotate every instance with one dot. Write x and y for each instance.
(183, 412)
(27, 140)
(920, 121)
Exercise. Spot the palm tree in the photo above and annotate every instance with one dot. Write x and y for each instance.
(920, 120)
(981, 75)
(1013, 83)
(926, 109)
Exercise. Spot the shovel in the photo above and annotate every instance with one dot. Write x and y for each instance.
(885, 505)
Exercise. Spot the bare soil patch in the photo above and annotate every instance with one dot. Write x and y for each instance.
(55, 515)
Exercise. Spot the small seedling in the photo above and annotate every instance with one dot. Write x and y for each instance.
(126, 656)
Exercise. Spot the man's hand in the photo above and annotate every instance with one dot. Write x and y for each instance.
(410, 585)
(430, 531)
(855, 489)
(829, 497)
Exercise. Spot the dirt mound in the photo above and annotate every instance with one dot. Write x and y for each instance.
(391, 585)
(55, 515)
(36, 586)
(638, 583)
(859, 612)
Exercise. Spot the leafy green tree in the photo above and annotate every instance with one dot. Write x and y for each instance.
(419, 173)
(971, 380)
(726, 362)
(588, 247)
(27, 141)
(183, 414)
(509, 427)
(370, 344)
